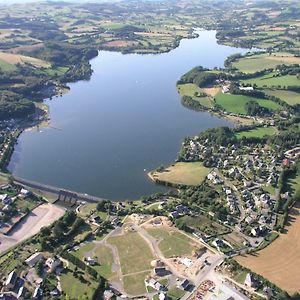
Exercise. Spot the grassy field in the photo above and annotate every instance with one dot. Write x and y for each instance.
(192, 90)
(175, 293)
(172, 243)
(272, 82)
(134, 284)
(236, 103)
(134, 253)
(257, 132)
(204, 224)
(291, 98)
(186, 173)
(5, 66)
(76, 288)
(105, 258)
(280, 261)
(254, 63)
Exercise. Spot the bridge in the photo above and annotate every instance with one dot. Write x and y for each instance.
(62, 194)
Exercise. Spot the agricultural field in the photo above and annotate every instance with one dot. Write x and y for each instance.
(290, 97)
(172, 242)
(273, 80)
(135, 284)
(14, 59)
(280, 261)
(259, 62)
(185, 173)
(236, 103)
(256, 132)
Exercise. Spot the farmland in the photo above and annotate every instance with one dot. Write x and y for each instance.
(270, 262)
(272, 80)
(191, 173)
(291, 98)
(257, 132)
(236, 103)
(255, 63)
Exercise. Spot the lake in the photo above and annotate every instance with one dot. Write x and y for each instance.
(108, 132)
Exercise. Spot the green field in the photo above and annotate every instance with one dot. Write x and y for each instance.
(257, 132)
(291, 98)
(135, 284)
(273, 82)
(192, 90)
(259, 62)
(134, 253)
(236, 103)
(5, 66)
(76, 288)
(204, 224)
(185, 173)
(171, 242)
(175, 293)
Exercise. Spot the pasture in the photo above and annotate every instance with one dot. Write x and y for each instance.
(259, 62)
(273, 81)
(185, 173)
(236, 103)
(291, 98)
(256, 132)
(14, 59)
(280, 261)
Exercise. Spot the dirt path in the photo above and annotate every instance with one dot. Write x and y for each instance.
(41, 216)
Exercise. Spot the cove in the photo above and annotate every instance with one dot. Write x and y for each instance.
(106, 133)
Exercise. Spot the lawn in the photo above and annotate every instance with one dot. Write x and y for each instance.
(273, 81)
(236, 103)
(171, 242)
(259, 62)
(185, 173)
(75, 288)
(256, 132)
(291, 98)
(175, 293)
(105, 258)
(134, 253)
(135, 284)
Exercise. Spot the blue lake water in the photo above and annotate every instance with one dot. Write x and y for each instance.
(128, 118)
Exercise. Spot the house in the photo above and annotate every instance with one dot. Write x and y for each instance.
(37, 294)
(155, 284)
(161, 271)
(21, 293)
(24, 192)
(174, 214)
(33, 259)
(116, 222)
(184, 284)
(108, 294)
(3, 197)
(187, 262)
(246, 88)
(90, 261)
(52, 264)
(225, 89)
(11, 281)
(249, 281)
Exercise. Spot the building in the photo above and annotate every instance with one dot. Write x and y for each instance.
(33, 259)
(52, 264)
(11, 281)
(249, 281)
(184, 284)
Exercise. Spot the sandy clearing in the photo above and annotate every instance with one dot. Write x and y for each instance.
(280, 261)
(213, 91)
(118, 44)
(43, 215)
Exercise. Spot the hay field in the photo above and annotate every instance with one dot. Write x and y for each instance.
(14, 59)
(280, 261)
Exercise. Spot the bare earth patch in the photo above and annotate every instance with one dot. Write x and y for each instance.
(212, 91)
(280, 261)
(42, 216)
(118, 43)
